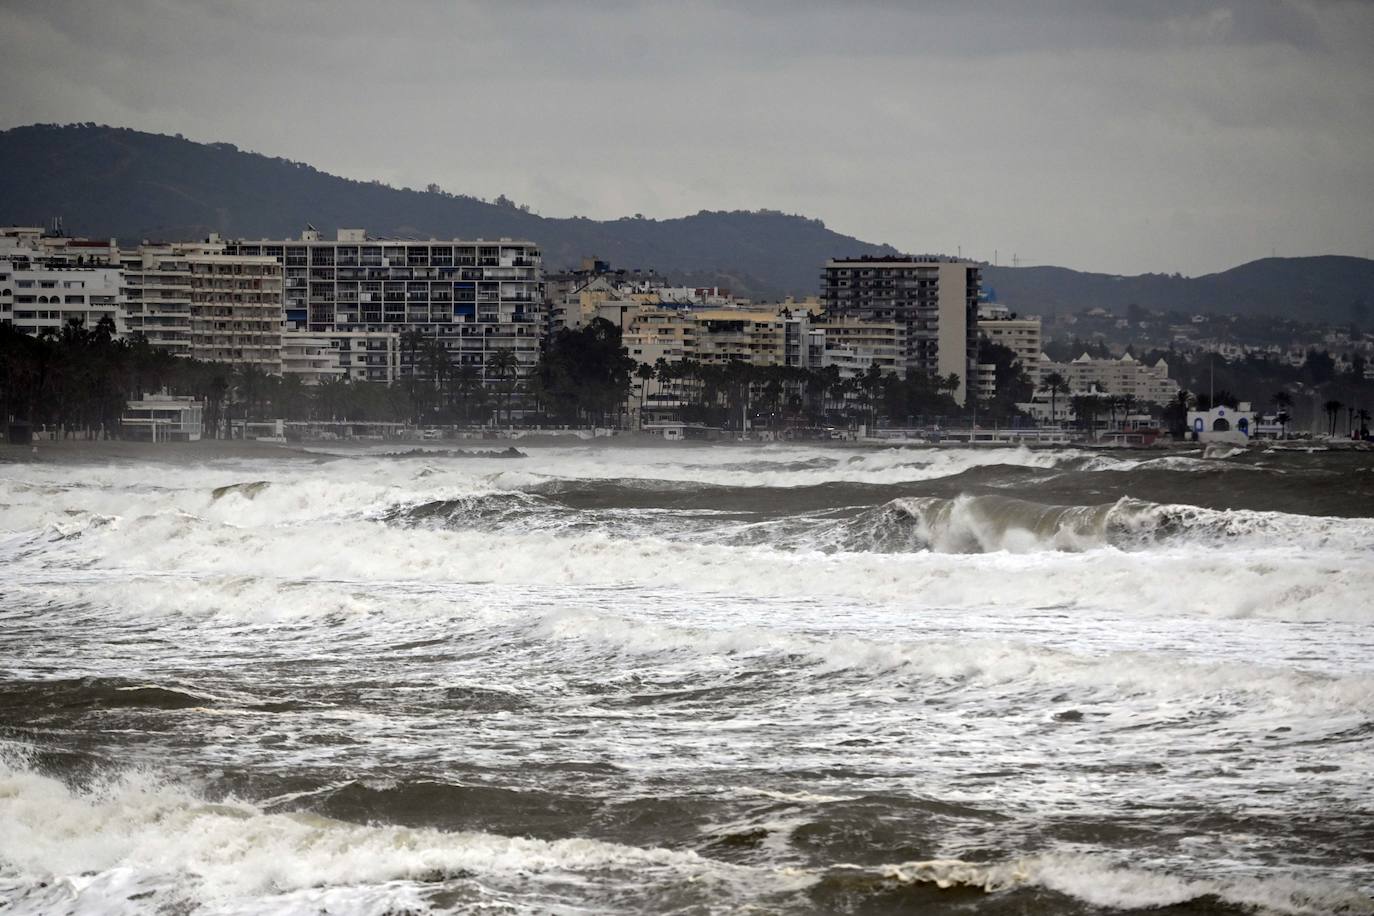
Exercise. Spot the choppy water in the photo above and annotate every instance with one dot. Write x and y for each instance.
(695, 680)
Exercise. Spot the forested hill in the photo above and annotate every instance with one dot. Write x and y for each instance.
(1329, 289)
(106, 181)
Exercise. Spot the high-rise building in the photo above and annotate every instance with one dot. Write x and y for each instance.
(935, 298)
(195, 300)
(47, 281)
(1022, 336)
(474, 298)
(853, 345)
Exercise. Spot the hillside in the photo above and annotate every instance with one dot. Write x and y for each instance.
(1330, 289)
(106, 181)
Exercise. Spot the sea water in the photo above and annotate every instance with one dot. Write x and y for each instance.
(710, 679)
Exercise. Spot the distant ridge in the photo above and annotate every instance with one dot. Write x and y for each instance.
(107, 181)
(1330, 289)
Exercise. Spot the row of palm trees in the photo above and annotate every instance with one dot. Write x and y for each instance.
(78, 380)
(719, 392)
(438, 388)
(1283, 401)
(1087, 408)
(1333, 413)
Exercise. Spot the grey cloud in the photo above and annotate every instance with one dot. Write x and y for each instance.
(1181, 135)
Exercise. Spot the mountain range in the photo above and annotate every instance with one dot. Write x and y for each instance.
(108, 181)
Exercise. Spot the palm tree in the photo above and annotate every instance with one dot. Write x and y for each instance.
(870, 383)
(1055, 384)
(502, 365)
(1363, 417)
(467, 381)
(1087, 407)
(249, 383)
(644, 373)
(1282, 401)
(292, 398)
(1178, 410)
(1113, 405)
(1333, 409)
(411, 341)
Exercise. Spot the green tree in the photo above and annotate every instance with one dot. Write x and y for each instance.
(504, 368)
(644, 372)
(1333, 410)
(1282, 401)
(584, 374)
(1055, 384)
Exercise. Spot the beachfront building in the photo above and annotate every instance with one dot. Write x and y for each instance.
(727, 335)
(163, 418)
(196, 300)
(473, 298)
(934, 298)
(574, 298)
(853, 345)
(1022, 336)
(310, 357)
(1123, 377)
(366, 356)
(1222, 424)
(47, 281)
(40, 294)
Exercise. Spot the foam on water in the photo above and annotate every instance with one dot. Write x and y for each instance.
(1278, 581)
(1100, 882)
(133, 837)
(622, 680)
(972, 524)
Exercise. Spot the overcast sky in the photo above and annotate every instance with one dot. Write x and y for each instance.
(1122, 136)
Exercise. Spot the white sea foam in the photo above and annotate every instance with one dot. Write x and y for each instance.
(988, 663)
(1276, 581)
(1100, 882)
(970, 524)
(132, 843)
(135, 835)
(1030, 660)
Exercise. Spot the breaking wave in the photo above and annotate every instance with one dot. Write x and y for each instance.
(980, 524)
(1099, 882)
(132, 843)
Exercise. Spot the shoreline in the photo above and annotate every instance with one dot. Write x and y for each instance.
(77, 451)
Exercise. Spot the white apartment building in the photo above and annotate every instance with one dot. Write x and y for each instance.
(311, 358)
(42, 291)
(157, 290)
(197, 301)
(655, 333)
(1021, 336)
(366, 356)
(934, 298)
(474, 297)
(853, 345)
(1121, 377)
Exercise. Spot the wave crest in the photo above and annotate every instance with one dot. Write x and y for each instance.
(1102, 883)
(986, 523)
